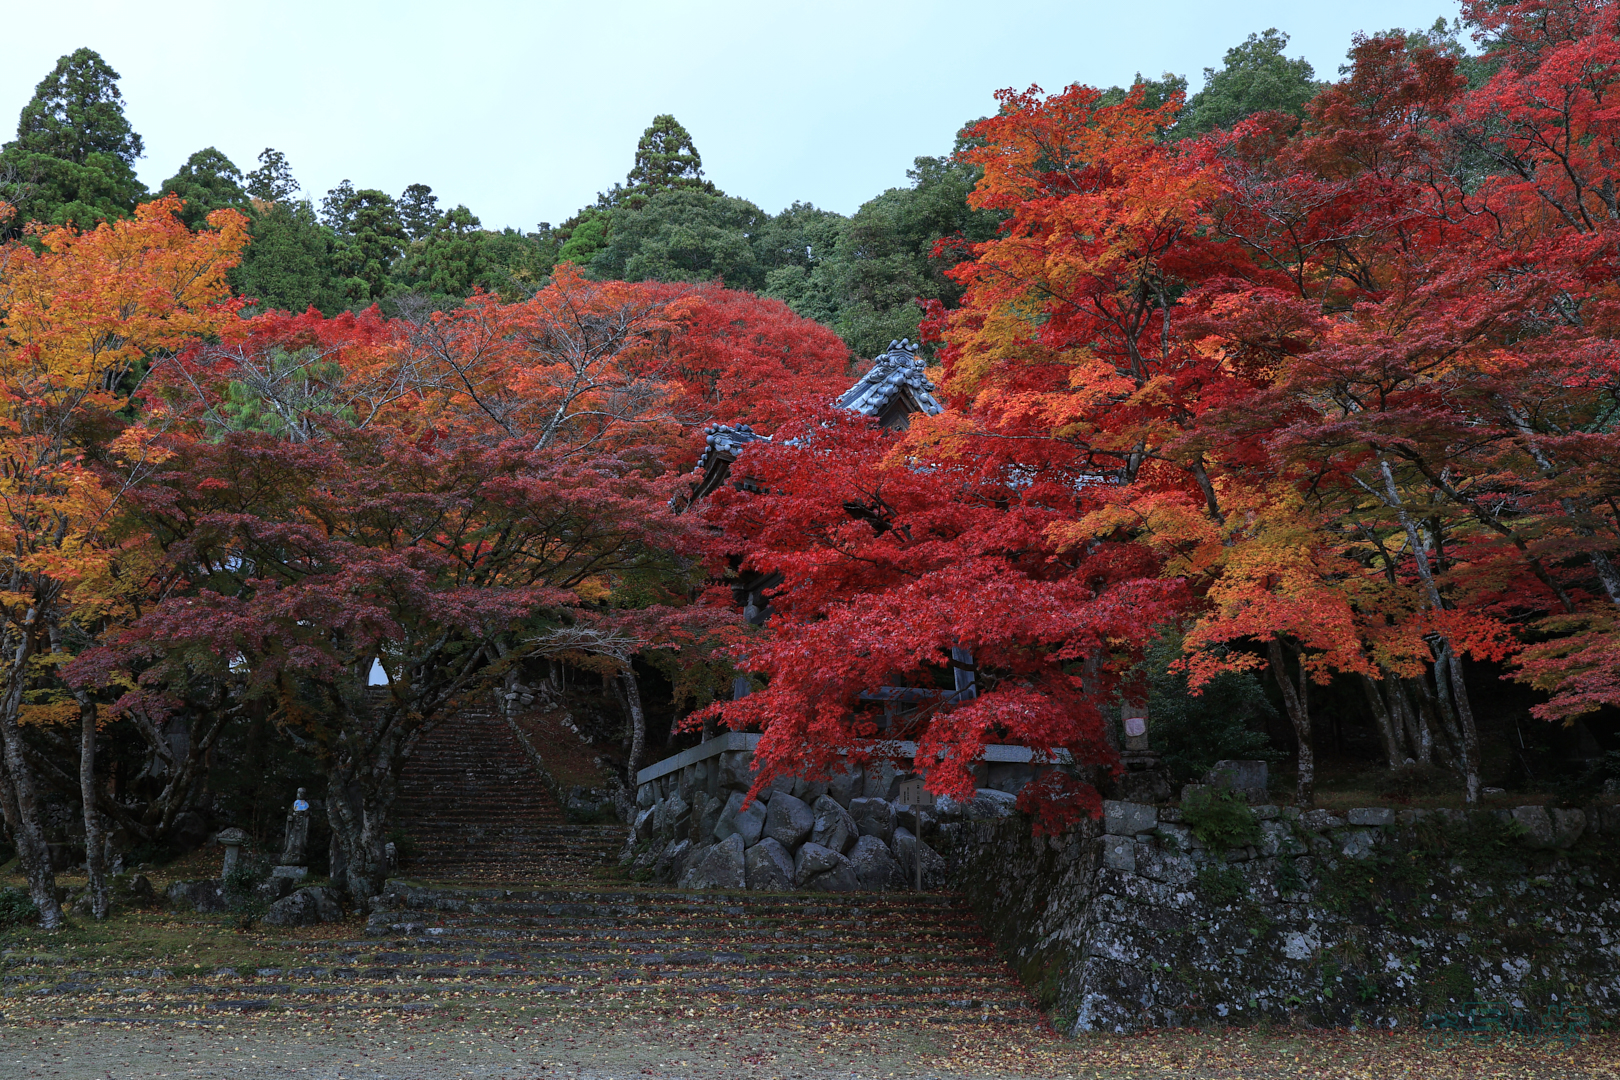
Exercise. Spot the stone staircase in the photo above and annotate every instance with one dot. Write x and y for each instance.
(870, 959)
(476, 809)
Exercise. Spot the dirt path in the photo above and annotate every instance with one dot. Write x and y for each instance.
(492, 1039)
(400, 1049)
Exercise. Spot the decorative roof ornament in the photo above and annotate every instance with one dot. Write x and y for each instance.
(721, 444)
(896, 386)
(723, 439)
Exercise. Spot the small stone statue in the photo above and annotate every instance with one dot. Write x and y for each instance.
(292, 852)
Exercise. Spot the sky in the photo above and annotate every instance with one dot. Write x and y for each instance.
(523, 111)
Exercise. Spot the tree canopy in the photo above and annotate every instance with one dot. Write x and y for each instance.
(74, 155)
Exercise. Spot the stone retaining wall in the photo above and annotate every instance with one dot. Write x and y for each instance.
(1375, 917)
(848, 834)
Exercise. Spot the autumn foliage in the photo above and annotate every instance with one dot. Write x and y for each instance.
(1336, 394)
(1332, 397)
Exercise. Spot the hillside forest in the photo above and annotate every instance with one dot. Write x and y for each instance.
(1283, 410)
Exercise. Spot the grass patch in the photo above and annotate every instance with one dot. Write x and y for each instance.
(189, 944)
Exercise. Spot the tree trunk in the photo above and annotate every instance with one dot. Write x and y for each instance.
(1441, 728)
(1386, 724)
(1448, 680)
(358, 824)
(1418, 734)
(32, 850)
(638, 725)
(1298, 707)
(8, 801)
(95, 840)
(1468, 741)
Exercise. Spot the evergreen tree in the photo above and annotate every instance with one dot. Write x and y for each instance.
(666, 158)
(797, 246)
(517, 263)
(208, 181)
(273, 180)
(74, 155)
(583, 235)
(1256, 77)
(288, 266)
(864, 276)
(685, 234)
(419, 210)
(450, 259)
(369, 238)
(78, 111)
(1155, 92)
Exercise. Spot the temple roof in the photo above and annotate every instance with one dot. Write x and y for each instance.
(897, 378)
(721, 443)
(894, 388)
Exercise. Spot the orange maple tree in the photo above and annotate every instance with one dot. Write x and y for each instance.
(81, 317)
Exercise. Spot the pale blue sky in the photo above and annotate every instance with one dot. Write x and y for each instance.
(523, 111)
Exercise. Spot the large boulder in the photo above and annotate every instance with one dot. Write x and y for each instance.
(736, 769)
(749, 823)
(726, 823)
(275, 887)
(808, 792)
(306, 907)
(1128, 818)
(133, 890)
(847, 785)
(906, 849)
(841, 878)
(667, 865)
(720, 867)
(1247, 778)
(706, 810)
(670, 815)
(642, 828)
(834, 828)
(988, 804)
(882, 781)
(768, 865)
(1549, 829)
(875, 867)
(788, 821)
(811, 860)
(873, 817)
(200, 896)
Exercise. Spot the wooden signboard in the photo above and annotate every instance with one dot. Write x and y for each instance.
(913, 793)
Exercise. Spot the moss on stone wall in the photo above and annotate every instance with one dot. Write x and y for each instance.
(1322, 920)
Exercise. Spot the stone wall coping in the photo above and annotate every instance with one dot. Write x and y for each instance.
(739, 740)
(720, 744)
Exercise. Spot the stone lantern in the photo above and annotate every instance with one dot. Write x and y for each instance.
(1145, 779)
(232, 839)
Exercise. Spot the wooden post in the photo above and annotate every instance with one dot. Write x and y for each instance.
(916, 850)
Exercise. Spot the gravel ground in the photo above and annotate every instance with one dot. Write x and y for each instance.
(398, 1049)
(515, 1045)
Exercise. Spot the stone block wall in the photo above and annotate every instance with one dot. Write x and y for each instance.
(692, 830)
(1375, 917)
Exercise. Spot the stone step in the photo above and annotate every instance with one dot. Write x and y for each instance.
(862, 959)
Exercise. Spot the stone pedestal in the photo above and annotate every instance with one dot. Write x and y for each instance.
(297, 873)
(232, 839)
(1145, 779)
